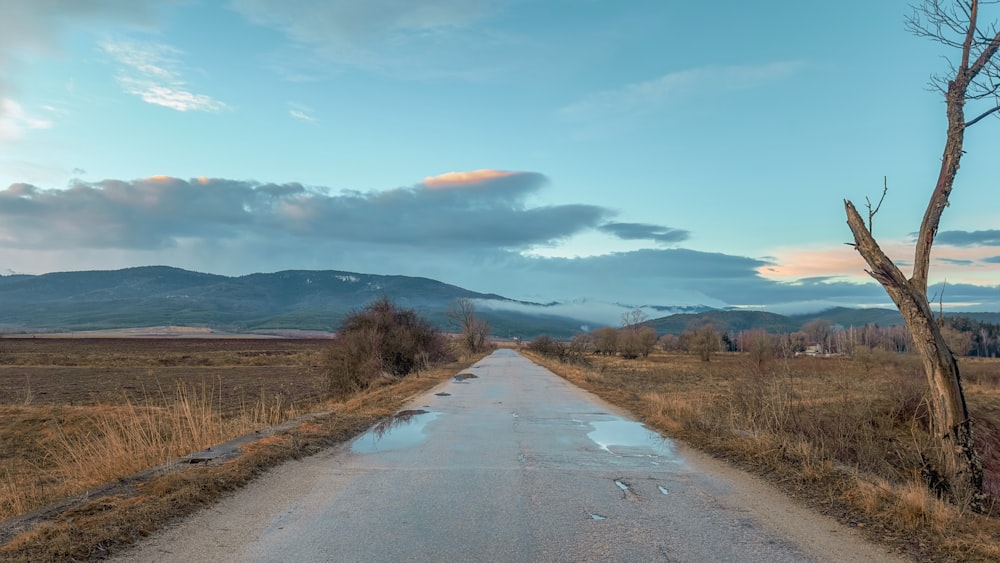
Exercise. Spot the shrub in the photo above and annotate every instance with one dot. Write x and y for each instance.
(605, 341)
(635, 341)
(381, 340)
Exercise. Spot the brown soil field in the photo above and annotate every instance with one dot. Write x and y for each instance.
(92, 371)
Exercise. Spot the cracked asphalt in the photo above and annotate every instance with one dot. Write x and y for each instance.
(514, 464)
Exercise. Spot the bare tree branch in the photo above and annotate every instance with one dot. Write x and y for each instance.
(868, 203)
(979, 117)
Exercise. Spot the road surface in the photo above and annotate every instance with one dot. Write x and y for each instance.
(513, 464)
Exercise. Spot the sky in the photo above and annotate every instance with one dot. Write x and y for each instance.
(641, 152)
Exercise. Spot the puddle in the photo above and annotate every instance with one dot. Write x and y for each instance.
(401, 431)
(597, 517)
(627, 491)
(520, 458)
(619, 434)
(663, 489)
(465, 375)
(443, 394)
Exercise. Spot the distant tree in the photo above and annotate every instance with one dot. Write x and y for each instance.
(605, 341)
(582, 344)
(635, 339)
(633, 319)
(759, 346)
(647, 340)
(628, 344)
(474, 331)
(797, 342)
(974, 77)
(548, 347)
(703, 340)
(819, 331)
(959, 342)
(670, 343)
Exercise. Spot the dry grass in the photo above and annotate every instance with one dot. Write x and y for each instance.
(53, 451)
(843, 435)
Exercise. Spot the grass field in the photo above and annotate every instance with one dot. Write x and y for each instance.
(78, 414)
(843, 435)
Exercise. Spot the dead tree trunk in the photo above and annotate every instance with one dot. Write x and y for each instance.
(956, 470)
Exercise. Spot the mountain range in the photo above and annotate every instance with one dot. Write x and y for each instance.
(319, 300)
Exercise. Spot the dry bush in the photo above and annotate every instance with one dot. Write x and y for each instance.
(382, 341)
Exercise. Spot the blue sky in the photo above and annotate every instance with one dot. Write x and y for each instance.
(643, 152)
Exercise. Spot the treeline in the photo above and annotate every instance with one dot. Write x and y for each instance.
(983, 338)
(965, 337)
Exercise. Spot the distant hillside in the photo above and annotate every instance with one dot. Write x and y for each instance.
(725, 321)
(319, 300)
(736, 321)
(299, 299)
(853, 317)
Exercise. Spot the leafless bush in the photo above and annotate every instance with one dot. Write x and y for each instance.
(382, 340)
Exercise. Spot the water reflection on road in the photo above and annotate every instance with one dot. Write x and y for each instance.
(405, 429)
(621, 437)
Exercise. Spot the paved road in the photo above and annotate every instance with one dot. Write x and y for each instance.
(511, 465)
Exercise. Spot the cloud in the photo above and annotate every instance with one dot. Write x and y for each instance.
(14, 120)
(358, 33)
(158, 212)
(992, 259)
(301, 112)
(458, 179)
(956, 261)
(643, 231)
(36, 27)
(152, 71)
(643, 97)
(969, 238)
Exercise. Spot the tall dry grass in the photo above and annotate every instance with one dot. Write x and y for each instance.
(74, 449)
(101, 526)
(849, 434)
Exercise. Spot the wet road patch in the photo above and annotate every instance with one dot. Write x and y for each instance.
(403, 430)
(625, 487)
(443, 394)
(625, 437)
(465, 375)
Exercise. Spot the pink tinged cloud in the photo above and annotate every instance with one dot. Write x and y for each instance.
(965, 264)
(464, 179)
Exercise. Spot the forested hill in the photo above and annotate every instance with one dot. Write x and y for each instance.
(294, 299)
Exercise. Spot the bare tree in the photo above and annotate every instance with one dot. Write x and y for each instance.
(633, 319)
(975, 77)
(703, 340)
(475, 331)
(605, 341)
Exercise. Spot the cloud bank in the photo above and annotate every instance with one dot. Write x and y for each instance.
(643, 231)
(474, 229)
(158, 212)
